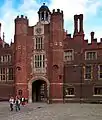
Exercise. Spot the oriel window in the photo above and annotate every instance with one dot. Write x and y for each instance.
(39, 61)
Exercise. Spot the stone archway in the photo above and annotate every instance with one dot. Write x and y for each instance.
(30, 83)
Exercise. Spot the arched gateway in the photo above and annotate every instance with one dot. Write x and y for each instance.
(38, 90)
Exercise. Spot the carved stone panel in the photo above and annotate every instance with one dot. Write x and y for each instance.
(39, 29)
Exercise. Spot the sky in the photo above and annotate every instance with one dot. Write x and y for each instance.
(91, 9)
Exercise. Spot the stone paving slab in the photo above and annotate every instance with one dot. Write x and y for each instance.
(43, 111)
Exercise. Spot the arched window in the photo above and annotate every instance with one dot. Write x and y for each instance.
(46, 16)
(42, 16)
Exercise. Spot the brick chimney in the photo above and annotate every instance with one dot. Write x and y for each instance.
(92, 35)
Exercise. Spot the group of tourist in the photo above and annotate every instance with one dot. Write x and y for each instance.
(16, 102)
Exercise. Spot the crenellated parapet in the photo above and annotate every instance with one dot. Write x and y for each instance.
(57, 19)
(57, 12)
(79, 32)
(94, 43)
(21, 18)
(68, 36)
(21, 25)
(5, 46)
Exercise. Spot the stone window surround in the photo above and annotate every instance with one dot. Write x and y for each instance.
(5, 58)
(99, 72)
(88, 52)
(68, 94)
(39, 45)
(72, 54)
(34, 38)
(91, 71)
(7, 73)
(94, 91)
(42, 55)
(39, 70)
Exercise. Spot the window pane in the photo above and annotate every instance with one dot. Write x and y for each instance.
(88, 76)
(88, 72)
(3, 71)
(91, 55)
(69, 91)
(3, 77)
(39, 61)
(98, 91)
(39, 43)
(68, 55)
(10, 76)
(100, 68)
(100, 71)
(88, 69)
(43, 61)
(100, 75)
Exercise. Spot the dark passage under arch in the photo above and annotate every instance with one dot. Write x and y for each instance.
(39, 91)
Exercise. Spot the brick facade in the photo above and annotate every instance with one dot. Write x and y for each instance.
(64, 75)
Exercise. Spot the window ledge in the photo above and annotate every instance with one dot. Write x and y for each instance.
(98, 95)
(68, 60)
(69, 95)
(90, 59)
(87, 79)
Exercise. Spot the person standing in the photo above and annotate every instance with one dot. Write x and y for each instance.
(17, 103)
(23, 101)
(11, 101)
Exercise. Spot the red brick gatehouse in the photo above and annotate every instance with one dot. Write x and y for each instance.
(45, 63)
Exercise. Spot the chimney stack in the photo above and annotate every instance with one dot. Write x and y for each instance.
(92, 35)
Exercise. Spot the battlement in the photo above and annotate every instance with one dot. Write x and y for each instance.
(6, 46)
(21, 18)
(94, 41)
(68, 36)
(57, 12)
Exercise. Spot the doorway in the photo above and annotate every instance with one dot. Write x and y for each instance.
(39, 91)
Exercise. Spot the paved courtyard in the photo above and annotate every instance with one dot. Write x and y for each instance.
(42, 111)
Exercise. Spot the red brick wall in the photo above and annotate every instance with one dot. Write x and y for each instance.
(72, 70)
(21, 24)
(56, 58)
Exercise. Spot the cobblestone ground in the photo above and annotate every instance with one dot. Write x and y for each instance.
(42, 111)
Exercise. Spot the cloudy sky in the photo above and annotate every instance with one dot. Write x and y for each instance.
(92, 10)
